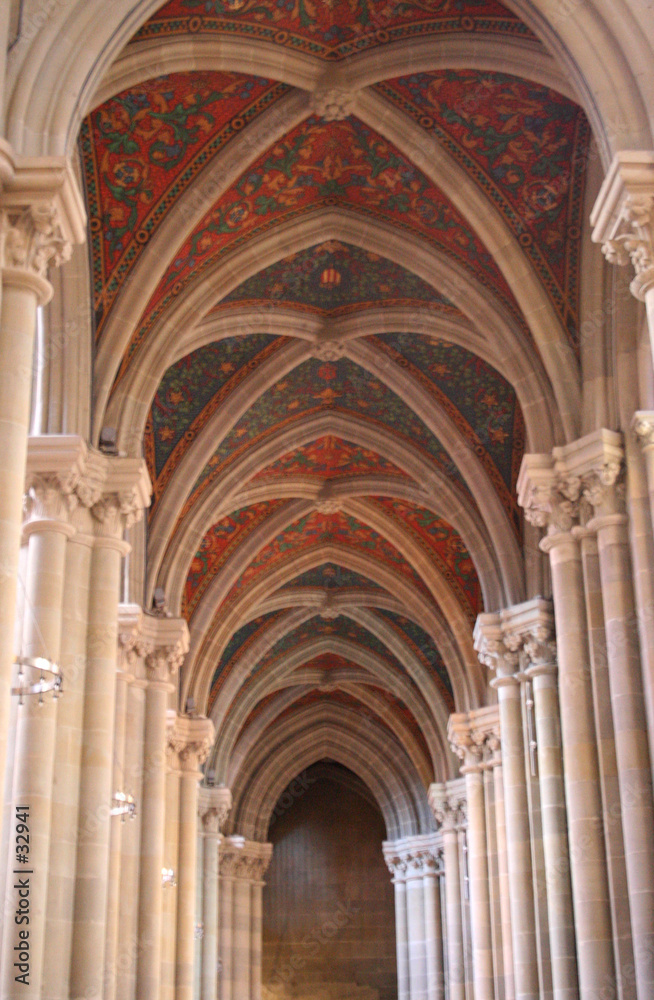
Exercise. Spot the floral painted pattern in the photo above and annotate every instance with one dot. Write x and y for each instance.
(527, 147)
(331, 577)
(319, 165)
(220, 542)
(331, 458)
(192, 389)
(444, 546)
(479, 401)
(422, 646)
(142, 149)
(316, 387)
(239, 643)
(331, 30)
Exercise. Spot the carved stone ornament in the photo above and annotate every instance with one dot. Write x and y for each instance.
(634, 243)
(329, 350)
(643, 427)
(31, 239)
(46, 500)
(333, 103)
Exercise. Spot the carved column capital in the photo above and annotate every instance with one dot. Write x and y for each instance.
(492, 650)
(214, 805)
(623, 215)
(41, 217)
(448, 804)
(475, 738)
(191, 738)
(596, 462)
(244, 859)
(153, 648)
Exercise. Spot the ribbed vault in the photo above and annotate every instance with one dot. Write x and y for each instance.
(337, 278)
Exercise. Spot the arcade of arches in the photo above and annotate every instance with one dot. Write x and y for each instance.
(327, 499)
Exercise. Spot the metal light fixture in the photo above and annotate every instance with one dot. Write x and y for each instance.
(168, 878)
(123, 804)
(37, 676)
(198, 933)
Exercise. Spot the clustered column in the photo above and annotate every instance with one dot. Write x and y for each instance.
(579, 487)
(214, 806)
(448, 803)
(242, 866)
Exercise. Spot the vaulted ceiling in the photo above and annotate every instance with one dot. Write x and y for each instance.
(334, 303)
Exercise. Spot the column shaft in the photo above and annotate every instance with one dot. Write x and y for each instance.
(169, 898)
(256, 946)
(67, 763)
(453, 915)
(555, 840)
(186, 874)
(128, 943)
(115, 841)
(153, 817)
(518, 838)
(415, 905)
(482, 944)
(226, 892)
(433, 936)
(211, 843)
(34, 752)
(401, 937)
(503, 882)
(18, 304)
(241, 937)
(631, 742)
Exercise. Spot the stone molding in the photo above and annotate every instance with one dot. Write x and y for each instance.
(42, 215)
(214, 805)
(152, 647)
(191, 739)
(623, 217)
(475, 738)
(448, 803)
(244, 859)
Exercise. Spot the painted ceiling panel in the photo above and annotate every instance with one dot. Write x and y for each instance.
(443, 545)
(315, 530)
(477, 398)
(335, 578)
(318, 387)
(219, 543)
(330, 458)
(144, 147)
(331, 30)
(318, 165)
(334, 278)
(192, 389)
(526, 146)
(341, 627)
(422, 646)
(240, 642)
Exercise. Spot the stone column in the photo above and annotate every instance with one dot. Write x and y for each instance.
(242, 866)
(171, 854)
(549, 501)
(41, 216)
(126, 493)
(468, 735)
(47, 529)
(503, 879)
(494, 652)
(164, 642)
(397, 867)
(227, 860)
(448, 812)
(433, 924)
(642, 546)
(415, 911)
(192, 739)
(215, 804)
(597, 461)
(118, 823)
(537, 629)
(259, 866)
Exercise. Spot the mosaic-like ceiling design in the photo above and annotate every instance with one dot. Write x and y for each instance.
(330, 458)
(530, 164)
(331, 30)
(332, 578)
(143, 148)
